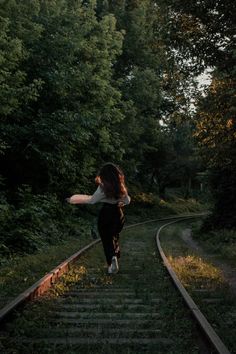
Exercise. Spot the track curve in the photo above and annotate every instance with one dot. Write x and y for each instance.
(198, 315)
(132, 302)
(43, 284)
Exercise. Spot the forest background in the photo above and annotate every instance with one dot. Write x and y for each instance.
(86, 82)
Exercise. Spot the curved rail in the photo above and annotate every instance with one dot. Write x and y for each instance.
(198, 315)
(187, 216)
(49, 279)
(42, 285)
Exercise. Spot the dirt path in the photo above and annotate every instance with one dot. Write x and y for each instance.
(228, 272)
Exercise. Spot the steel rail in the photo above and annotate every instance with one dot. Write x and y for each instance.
(187, 216)
(38, 288)
(198, 315)
(43, 284)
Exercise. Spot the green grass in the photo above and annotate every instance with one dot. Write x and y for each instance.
(220, 242)
(192, 269)
(18, 273)
(204, 281)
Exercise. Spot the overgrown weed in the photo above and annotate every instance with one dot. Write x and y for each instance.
(194, 270)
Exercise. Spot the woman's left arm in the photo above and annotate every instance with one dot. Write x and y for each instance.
(125, 200)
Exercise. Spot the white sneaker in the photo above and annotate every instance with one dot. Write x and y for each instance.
(109, 270)
(114, 265)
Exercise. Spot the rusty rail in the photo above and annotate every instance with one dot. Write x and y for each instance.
(209, 332)
(38, 288)
(42, 285)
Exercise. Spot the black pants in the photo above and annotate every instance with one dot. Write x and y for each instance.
(110, 223)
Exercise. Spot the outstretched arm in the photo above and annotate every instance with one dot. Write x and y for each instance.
(86, 199)
(79, 199)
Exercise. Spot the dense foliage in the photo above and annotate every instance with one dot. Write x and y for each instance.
(83, 82)
(202, 32)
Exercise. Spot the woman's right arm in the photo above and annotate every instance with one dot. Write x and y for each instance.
(79, 199)
(86, 199)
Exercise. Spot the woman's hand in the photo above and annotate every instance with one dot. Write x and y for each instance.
(68, 200)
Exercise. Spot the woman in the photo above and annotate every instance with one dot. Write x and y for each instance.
(112, 192)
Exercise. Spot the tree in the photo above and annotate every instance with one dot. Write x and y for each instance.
(216, 134)
(15, 90)
(174, 162)
(58, 140)
(138, 76)
(202, 33)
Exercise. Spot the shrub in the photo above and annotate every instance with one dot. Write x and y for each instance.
(35, 221)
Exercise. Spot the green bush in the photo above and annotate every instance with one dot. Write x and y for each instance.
(145, 200)
(35, 221)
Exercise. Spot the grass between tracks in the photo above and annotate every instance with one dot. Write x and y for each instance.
(152, 281)
(204, 281)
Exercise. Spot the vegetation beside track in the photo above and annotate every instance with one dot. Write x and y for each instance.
(204, 281)
(19, 271)
(174, 326)
(221, 242)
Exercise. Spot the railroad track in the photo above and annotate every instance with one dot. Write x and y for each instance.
(89, 311)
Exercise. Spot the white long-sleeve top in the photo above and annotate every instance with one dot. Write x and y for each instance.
(98, 197)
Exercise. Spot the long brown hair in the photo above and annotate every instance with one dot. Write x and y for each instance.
(112, 181)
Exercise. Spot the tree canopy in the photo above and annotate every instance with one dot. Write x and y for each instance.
(84, 82)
